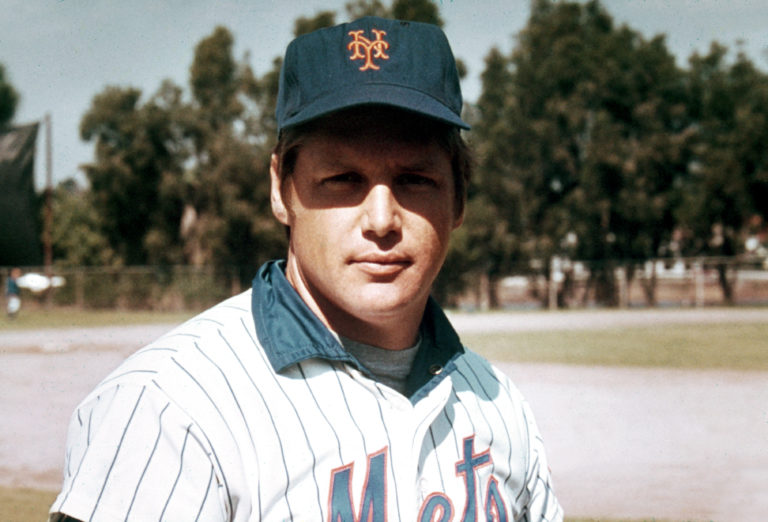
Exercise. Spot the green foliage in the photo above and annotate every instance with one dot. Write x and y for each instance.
(582, 139)
(360, 8)
(138, 153)
(76, 229)
(425, 11)
(186, 182)
(227, 219)
(492, 228)
(729, 172)
(214, 80)
(304, 25)
(9, 98)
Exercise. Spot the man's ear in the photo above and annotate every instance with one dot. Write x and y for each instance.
(275, 194)
(459, 218)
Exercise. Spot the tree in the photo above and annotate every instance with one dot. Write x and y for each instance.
(123, 188)
(424, 11)
(594, 142)
(304, 25)
(729, 170)
(9, 98)
(226, 217)
(490, 239)
(360, 8)
(76, 233)
(138, 152)
(213, 78)
(166, 118)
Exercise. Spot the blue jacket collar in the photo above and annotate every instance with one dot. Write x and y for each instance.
(290, 332)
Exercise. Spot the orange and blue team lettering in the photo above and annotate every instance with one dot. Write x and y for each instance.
(363, 48)
(437, 507)
(373, 508)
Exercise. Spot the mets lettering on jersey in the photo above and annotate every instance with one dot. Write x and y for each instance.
(436, 507)
(253, 411)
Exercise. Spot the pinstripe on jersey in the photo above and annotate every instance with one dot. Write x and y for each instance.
(216, 422)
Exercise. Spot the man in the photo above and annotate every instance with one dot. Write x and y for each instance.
(335, 389)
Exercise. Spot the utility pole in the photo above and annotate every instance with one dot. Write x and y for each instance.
(48, 224)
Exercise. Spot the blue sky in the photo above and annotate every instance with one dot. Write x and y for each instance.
(60, 53)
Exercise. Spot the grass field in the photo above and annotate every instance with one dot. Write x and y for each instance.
(704, 346)
(66, 318)
(737, 346)
(24, 505)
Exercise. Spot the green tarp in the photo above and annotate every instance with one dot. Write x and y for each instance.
(20, 243)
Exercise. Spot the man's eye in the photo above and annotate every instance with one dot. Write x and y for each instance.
(347, 177)
(415, 179)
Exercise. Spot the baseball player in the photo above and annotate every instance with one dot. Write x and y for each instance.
(335, 389)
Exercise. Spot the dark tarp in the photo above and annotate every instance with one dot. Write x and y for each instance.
(20, 243)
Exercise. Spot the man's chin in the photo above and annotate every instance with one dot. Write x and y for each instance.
(383, 302)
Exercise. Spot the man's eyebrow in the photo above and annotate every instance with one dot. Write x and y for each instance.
(333, 163)
(420, 165)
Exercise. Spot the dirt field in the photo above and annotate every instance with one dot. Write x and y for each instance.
(622, 442)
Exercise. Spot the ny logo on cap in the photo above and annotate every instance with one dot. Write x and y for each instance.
(363, 48)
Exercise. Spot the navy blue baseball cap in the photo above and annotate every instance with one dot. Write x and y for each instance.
(369, 61)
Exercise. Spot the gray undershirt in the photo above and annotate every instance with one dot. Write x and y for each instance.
(390, 367)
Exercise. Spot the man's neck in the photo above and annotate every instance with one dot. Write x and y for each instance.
(393, 331)
(391, 335)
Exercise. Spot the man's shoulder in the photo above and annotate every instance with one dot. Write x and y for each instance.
(198, 342)
(228, 324)
(485, 377)
(226, 315)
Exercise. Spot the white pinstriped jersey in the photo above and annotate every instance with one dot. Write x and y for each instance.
(215, 421)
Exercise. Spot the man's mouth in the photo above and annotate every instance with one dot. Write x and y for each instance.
(382, 265)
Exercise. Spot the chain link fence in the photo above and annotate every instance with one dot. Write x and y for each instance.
(161, 288)
(569, 284)
(563, 284)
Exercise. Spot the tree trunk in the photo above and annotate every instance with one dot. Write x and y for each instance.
(649, 286)
(605, 286)
(725, 284)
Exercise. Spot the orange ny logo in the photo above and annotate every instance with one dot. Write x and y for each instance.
(365, 49)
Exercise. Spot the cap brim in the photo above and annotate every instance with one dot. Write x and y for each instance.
(376, 94)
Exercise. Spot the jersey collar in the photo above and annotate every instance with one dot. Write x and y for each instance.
(290, 332)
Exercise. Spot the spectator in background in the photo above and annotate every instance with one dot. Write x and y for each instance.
(13, 293)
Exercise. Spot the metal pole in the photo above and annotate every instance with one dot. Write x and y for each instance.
(47, 240)
(555, 276)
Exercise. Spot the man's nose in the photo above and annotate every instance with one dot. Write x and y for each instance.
(382, 211)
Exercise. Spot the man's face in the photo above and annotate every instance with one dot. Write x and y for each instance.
(370, 217)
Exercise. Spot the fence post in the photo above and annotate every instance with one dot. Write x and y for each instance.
(621, 279)
(698, 281)
(484, 291)
(79, 288)
(555, 276)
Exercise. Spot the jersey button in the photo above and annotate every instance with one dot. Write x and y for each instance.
(435, 369)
